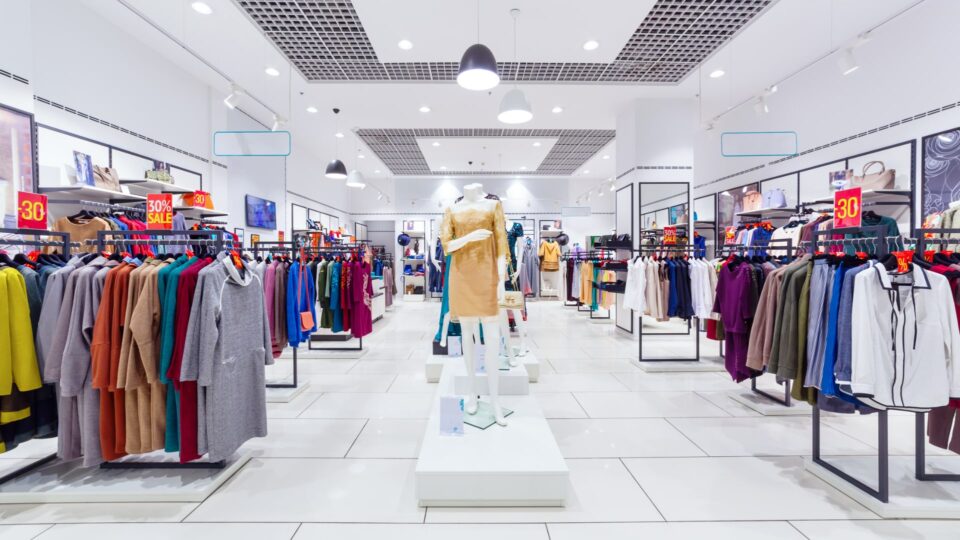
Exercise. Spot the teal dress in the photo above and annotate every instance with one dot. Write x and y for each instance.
(167, 288)
(335, 296)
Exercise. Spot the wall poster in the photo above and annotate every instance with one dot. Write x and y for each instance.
(941, 171)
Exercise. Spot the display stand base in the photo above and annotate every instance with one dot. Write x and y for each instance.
(767, 407)
(285, 395)
(514, 382)
(909, 498)
(69, 482)
(434, 366)
(678, 366)
(517, 465)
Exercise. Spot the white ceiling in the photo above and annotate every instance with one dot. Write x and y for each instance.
(551, 31)
(788, 36)
(486, 153)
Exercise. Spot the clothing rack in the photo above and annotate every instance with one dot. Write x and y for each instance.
(64, 243)
(660, 250)
(286, 248)
(338, 249)
(108, 207)
(599, 254)
(923, 241)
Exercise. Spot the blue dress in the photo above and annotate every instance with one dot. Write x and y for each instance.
(335, 297)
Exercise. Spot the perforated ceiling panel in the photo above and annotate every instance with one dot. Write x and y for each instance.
(326, 41)
(399, 151)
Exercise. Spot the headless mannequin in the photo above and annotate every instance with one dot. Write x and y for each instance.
(473, 197)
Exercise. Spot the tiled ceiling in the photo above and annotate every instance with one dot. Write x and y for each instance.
(399, 151)
(326, 41)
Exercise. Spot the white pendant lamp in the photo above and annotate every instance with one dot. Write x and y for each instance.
(355, 180)
(514, 108)
(336, 170)
(478, 67)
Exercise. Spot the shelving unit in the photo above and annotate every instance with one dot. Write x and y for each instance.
(154, 186)
(874, 196)
(771, 213)
(195, 211)
(91, 193)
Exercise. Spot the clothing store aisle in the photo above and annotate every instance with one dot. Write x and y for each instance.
(651, 455)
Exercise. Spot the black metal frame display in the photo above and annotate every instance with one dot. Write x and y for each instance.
(657, 250)
(64, 244)
(923, 169)
(632, 232)
(34, 144)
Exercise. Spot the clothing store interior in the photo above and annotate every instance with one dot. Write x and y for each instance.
(353, 269)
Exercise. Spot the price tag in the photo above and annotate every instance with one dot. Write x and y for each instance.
(904, 258)
(31, 210)
(159, 211)
(451, 416)
(669, 236)
(200, 199)
(847, 204)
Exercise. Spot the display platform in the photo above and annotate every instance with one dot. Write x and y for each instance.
(68, 482)
(909, 497)
(435, 363)
(517, 465)
(768, 407)
(513, 381)
(285, 395)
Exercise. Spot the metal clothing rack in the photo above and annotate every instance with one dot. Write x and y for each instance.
(107, 207)
(338, 338)
(600, 254)
(63, 242)
(661, 250)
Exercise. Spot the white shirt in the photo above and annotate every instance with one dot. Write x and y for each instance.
(633, 293)
(906, 344)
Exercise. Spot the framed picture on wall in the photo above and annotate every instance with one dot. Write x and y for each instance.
(254, 239)
(941, 171)
(18, 159)
(238, 234)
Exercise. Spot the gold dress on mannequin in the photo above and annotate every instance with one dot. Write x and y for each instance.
(473, 268)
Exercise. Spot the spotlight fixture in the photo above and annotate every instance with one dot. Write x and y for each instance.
(355, 180)
(202, 8)
(848, 62)
(336, 170)
(590, 45)
(717, 73)
(761, 107)
(405, 44)
(773, 89)
(272, 71)
(312, 110)
(613, 185)
(233, 99)
(557, 110)
(278, 122)
(424, 109)
(599, 192)
(379, 196)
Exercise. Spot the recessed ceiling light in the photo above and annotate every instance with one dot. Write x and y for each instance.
(537, 144)
(377, 171)
(557, 110)
(717, 73)
(523, 167)
(311, 109)
(606, 156)
(773, 89)
(436, 144)
(443, 167)
(586, 171)
(360, 156)
(405, 44)
(590, 45)
(338, 135)
(424, 109)
(201, 8)
(272, 71)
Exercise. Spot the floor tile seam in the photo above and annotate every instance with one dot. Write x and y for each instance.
(296, 531)
(355, 439)
(45, 530)
(314, 400)
(687, 437)
(580, 404)
(644, 491)
(792, 524)
(547, 522)
(701, 396)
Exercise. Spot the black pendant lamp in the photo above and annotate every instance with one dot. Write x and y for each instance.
(336, 170)
(478, 67)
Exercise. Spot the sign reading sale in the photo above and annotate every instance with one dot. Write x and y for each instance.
(847, 205)
(669, 235)
(159, 211)
(31, 210)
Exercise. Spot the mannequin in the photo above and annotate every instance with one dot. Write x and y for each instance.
(477, 274)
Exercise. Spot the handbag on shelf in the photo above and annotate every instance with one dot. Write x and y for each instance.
(106, 178)
(884, 179)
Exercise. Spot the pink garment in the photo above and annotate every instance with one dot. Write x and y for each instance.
(361, 310)
(269, 282)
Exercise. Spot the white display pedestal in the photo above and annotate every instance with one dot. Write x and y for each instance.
(68, 482)
(517, 465)
(435, 363)
(515, 382)
(909, 498)
(285, 395)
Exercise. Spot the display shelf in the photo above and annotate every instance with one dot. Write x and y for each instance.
(202, 212)
(91, 193)
(882, 196)
(770, 212)
(154, 186)
(704, 223)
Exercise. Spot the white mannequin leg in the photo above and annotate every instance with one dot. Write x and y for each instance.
(504, 318)
(491, 336)
(445, 330)
(468, 330)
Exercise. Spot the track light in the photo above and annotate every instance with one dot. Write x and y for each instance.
(379, 196)
(848, 62)
(278, 122)
(613, 185)
(761, 107)
(233, 99)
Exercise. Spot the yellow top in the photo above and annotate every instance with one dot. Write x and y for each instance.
(18, 358)
(473, 268)
(549, 252)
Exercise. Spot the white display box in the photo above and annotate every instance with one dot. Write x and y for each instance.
(517, 465)
(435, 363)
(515, 382)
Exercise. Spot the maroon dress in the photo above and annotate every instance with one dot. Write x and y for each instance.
(361, 315)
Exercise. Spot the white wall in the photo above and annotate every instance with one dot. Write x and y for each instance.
(906, 70)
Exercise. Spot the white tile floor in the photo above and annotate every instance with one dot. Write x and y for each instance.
(651, 455)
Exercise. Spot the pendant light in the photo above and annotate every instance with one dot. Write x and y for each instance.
(355, 180)
(514, 108)
(336, 170)
(478, 67)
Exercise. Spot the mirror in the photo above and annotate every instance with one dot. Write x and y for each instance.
(664, 204)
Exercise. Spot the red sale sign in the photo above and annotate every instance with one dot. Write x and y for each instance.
(669, 235)
(159, 211)
(31, 210)
(847, 205)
